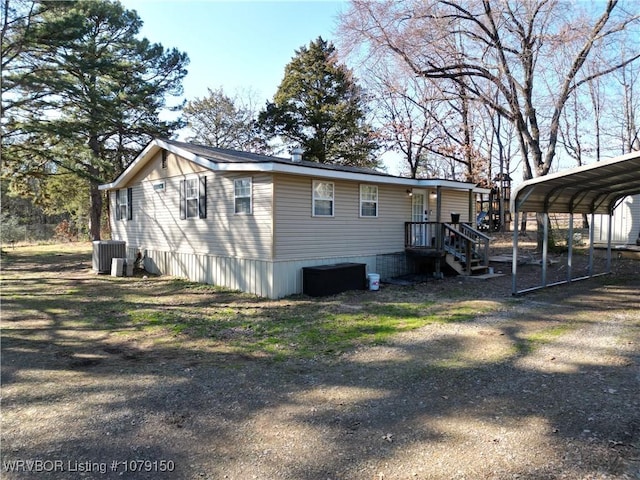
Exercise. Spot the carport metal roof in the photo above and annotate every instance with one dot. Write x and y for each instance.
(594, 188)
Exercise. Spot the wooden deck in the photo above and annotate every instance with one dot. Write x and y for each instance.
(462, 247)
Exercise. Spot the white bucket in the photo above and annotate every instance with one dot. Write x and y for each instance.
(374, 281)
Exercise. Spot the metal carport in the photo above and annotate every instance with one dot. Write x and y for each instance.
(597, 188)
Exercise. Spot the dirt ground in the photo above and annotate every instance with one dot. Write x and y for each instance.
(542, 386)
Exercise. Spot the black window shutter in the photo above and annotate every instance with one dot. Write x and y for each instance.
(202, 203)
(118, 205)
(129, 203)
(183, 202)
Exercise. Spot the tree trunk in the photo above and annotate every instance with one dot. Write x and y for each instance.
(523, 224)
(540, 217)
(95, 213)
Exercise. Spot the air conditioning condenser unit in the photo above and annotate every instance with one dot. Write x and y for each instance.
(104, 251)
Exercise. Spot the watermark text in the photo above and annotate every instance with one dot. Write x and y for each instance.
(52, 466)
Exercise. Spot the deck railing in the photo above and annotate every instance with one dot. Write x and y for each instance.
(466, 244)
(423, 235)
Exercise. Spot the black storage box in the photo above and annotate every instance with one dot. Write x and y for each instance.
(325, 280)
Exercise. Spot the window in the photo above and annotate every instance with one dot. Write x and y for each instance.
(242, 195)
(368, 201)
(158, 187)
(322, 199)
(193, 198)
(163, 162)
(124, 207)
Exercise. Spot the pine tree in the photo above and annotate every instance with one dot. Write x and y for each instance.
(89, 94)
(319, 107)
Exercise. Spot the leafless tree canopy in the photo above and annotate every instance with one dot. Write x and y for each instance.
(521, 60)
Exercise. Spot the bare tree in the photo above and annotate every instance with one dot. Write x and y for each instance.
(430, 128)
(507, 47)
(402, 124)
(631, 109)
(223, 121)
(572, 135)
(596, 95)
(531, 53)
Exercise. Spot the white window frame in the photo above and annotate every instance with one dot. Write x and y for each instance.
(122, 199)
(191, 198)
(317, 197)
(371, 201)
(241, 195)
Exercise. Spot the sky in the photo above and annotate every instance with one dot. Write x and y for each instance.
(236, 45)
(240, 45)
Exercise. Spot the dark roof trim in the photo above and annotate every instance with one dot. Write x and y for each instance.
(217, 159)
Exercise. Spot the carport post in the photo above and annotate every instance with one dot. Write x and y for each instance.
(545, 247)
(591, 238)
(570, 248)
(514, 258)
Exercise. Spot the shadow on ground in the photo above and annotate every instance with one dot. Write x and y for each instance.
(538, 388)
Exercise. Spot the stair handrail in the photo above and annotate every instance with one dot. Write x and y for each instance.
(458, 233)
(461, 246)
(481, 240)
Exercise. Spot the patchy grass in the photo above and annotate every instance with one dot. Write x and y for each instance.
(531, 341)
(299, 329)
(56, 284)
(225, 320)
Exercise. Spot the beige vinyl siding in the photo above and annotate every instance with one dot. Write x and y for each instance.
(176, 167)
(157, 224)
(300, 235)
(456, 201)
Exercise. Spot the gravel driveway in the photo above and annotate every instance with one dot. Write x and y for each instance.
(545, 386)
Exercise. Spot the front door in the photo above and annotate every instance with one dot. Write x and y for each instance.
(419, 208)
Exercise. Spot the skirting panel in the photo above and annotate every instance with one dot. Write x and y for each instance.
(288, 275)
(247, 275)
(262, 278)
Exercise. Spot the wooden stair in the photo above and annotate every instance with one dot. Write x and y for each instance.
(453, 243)
(466, 250)
(476, 268)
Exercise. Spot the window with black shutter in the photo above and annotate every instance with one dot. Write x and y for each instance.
(124, 204)
(193, 198)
